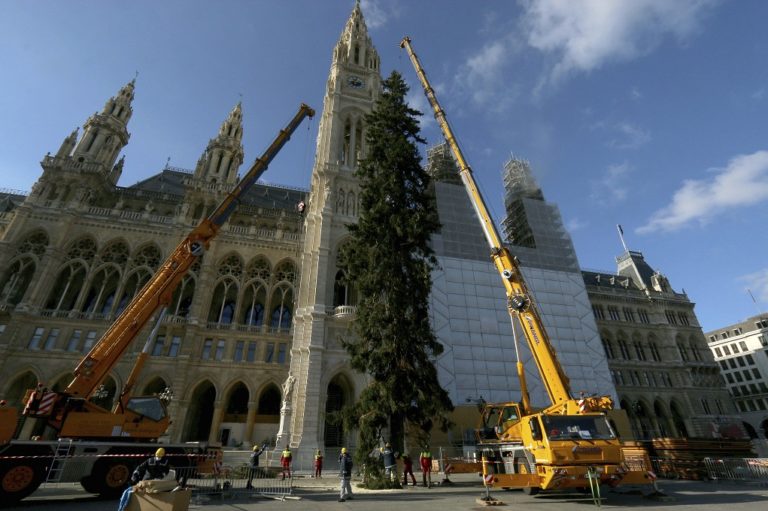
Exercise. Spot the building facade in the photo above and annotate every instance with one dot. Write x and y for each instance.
(78, 248)
(741, 350)
(665, 376)
(251, 345)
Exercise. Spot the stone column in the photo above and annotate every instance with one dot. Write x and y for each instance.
(250, 419)
(218, 409)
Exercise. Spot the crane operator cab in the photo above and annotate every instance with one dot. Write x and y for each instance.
(149, 407)
(496, 419)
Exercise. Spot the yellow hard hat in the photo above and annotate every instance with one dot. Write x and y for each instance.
(160, 452)
(343, 450)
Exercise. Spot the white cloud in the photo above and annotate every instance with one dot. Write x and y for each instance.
(635, 94)
(612, 187)
(744, 182)
(757, 284)
(482, 73)
(583, 35)
(629, 136)
(575, 224)
(377, 16)
(418, 101)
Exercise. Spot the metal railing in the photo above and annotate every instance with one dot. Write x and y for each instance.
(737, 469)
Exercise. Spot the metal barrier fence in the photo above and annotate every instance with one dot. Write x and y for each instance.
(229, 477)
(738, 469)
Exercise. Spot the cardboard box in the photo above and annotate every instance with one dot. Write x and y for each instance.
(163, 501)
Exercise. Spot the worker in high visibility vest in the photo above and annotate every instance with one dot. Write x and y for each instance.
(285, 460)
(425, 460)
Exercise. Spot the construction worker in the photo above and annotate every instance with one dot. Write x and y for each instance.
(254, 462)
(285, 460)
(156, 467)
(390, 464)
(408, 469)
(425, 460)
(318, 464)
(345, 473)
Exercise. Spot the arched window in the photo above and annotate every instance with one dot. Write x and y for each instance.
(259, 268)
(237, 403)
(183, 296)
(345, 143)
(639, 350)
(67, 287)
(654, 350)
(282, 308)
(116, 253)
(148, 256)
(223, 303)
(16, 280)
(101, 294)
(340, 199)
(254, 300)
(285, 272)
(134, 282)
(269, 401)
(608, 347)
(624, 349)
(358, 142)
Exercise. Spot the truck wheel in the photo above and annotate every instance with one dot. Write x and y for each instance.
(108, 478)
(523, 468)
(19, 480)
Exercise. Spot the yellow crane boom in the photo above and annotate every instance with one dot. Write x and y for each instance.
(519, 302)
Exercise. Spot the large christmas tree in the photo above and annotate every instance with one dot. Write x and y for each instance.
(389, 260)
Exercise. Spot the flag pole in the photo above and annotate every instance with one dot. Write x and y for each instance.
(621, 237)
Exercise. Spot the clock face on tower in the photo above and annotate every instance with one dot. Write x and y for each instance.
(355, 81)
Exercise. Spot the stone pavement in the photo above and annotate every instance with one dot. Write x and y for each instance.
(321, 495)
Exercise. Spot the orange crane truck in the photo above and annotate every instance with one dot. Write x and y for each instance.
(569, 444)
(114, 441)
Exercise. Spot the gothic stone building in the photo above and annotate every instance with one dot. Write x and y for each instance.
(251, 345)
(78, 247)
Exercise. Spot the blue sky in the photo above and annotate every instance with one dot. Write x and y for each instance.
(647, 113)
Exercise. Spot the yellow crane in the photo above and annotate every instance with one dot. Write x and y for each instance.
(113, 438)
(570, 443)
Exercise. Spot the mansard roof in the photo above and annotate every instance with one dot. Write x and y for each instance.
(10, 199)
(171, 181)
(608, 280)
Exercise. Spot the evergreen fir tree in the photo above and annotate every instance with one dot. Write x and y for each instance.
(389, 260)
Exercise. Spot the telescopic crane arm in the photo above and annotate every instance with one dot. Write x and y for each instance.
(519, 303)
(158, 292)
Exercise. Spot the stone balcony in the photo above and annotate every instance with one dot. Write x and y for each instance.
(344, 312)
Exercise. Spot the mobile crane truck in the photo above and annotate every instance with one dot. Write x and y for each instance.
(115, 441)
(569, 444)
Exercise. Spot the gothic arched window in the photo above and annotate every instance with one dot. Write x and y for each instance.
(65, 291)
(133, 283)
(101, 294)
(254, 299)
(223, 303)
(285, 272)
(282, 305)
(346, 142)
(358, 153)
(148, 256)
(183, 296)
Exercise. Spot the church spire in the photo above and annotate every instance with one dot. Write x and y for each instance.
(224, 154)
(355, 46)
(106, 133)
(68, 144)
